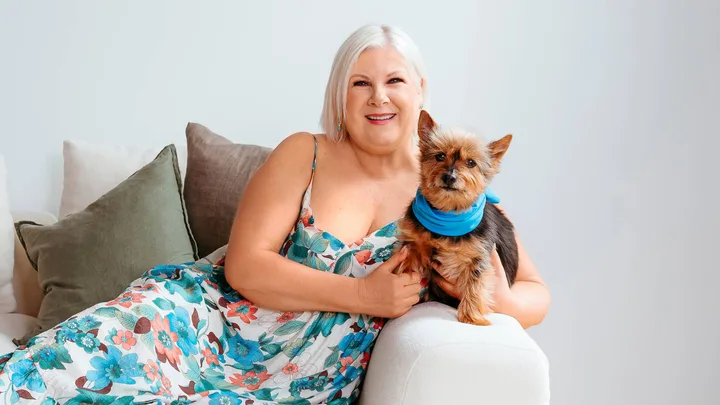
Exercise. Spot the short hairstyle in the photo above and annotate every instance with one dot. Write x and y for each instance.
(367, 36)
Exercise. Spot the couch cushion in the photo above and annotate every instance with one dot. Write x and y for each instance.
(7, 243)
(13, 326)
(218, 171)
(93, 255)
(91, 170)
(25, 283)
(25, 278)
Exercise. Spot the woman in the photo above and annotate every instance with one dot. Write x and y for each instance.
(264, 325)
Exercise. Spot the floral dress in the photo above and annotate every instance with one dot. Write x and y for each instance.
(180, 334)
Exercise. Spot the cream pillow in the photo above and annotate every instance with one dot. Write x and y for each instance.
(7, 246)
(91, 170)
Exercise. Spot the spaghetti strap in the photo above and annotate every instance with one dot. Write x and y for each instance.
(315, 153)
(308, 189)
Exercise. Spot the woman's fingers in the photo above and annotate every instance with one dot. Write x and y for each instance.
(395, 260)
(410, 278)
(411, 300)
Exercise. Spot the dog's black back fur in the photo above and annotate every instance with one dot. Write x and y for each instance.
(502, 231)
(494, 227)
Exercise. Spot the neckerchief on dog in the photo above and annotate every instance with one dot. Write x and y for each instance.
(451, 223)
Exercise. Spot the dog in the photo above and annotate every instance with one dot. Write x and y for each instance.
(453, 222)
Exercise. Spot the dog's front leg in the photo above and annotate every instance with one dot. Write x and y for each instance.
(417, 260)
(477, 283)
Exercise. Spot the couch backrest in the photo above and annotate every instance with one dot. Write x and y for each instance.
(25, 281)
(221, 170)
(7, 301)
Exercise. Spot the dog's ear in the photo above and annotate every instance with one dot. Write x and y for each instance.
(498, 148)
(426, 125)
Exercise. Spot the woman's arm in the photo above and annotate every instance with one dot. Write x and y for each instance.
(528, 299)
(265, 216)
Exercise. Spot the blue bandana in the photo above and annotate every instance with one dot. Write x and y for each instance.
(451, 223)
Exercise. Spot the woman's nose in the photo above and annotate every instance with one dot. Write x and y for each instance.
(379, 96)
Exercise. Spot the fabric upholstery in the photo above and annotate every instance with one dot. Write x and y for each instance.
(93, 255)
(7, 242)
(13, 326)
(91, 170)
(218, 171)
(428, 357)
(25, 278)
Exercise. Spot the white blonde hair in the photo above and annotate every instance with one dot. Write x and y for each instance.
(368, 36)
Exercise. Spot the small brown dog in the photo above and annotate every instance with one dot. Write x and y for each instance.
(453, 221)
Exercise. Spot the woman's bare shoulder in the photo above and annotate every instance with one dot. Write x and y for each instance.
(289, 165)
(302, 140)
(271, 200)
(295, 148)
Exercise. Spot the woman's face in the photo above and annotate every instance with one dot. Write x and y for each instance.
(383, 100)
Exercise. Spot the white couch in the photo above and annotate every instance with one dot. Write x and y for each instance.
(424, 357)
(25, 287)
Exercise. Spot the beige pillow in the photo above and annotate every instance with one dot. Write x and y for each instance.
(218, 171)
(91, 170)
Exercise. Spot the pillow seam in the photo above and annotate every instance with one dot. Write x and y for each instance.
(186, 219)
(18, 231)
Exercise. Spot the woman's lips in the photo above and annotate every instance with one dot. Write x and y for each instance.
(380, 119)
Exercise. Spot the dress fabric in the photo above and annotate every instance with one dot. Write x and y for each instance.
(180, 334)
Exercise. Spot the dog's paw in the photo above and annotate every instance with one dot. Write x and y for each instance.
(472, 320)
(467, 313)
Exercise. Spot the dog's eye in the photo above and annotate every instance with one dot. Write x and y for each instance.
(440, 157)
(471, 163)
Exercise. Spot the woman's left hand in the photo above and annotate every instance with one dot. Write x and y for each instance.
(502, 295)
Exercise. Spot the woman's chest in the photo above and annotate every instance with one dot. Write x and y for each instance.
(352, 210)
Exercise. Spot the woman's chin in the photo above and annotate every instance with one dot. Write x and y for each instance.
(380, 139)
(391, 139)
(385, 134)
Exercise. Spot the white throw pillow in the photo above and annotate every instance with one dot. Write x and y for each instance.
(91, 170)
(7, 245)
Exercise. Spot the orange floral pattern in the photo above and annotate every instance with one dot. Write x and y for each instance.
(181, 334)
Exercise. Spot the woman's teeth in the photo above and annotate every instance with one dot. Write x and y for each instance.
(380, 117)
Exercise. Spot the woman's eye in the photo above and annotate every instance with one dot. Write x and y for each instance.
(396, 80)
(360, 83)
(471, 163)
(440, 157)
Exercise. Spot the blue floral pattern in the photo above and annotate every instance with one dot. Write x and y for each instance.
(180, 335)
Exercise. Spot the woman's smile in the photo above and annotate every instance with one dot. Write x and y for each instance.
(380, 119)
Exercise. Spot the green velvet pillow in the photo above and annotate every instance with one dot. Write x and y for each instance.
(92, 256)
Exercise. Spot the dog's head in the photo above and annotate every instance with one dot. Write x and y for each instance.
(455, 165)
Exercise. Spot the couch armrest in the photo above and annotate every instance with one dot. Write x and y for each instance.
(28, 294)
(428, 357)
(42, 218)
(14, 326)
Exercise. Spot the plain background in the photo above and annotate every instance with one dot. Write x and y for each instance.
(611, 178)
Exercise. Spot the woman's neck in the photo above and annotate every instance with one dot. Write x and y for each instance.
(385, 166)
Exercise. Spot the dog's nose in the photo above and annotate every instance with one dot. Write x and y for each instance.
(449, 178)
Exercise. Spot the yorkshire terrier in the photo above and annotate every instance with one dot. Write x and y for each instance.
(453, 222)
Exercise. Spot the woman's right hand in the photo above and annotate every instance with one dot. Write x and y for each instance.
(388, 295)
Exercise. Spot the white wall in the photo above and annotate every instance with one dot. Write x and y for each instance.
(611, 178)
